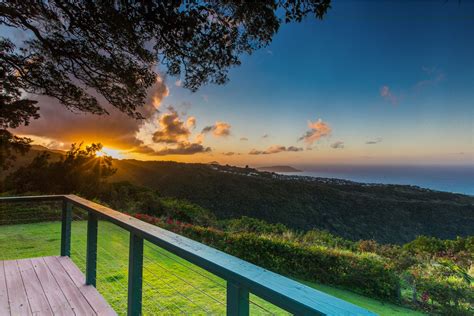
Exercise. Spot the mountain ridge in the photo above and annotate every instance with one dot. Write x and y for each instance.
(278, 169)
(386, 213)
(383, 212)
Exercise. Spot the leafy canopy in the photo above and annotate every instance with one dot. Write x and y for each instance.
(114, 48)
(80, 170)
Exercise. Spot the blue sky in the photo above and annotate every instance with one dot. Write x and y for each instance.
(396, 74)
(335, 69)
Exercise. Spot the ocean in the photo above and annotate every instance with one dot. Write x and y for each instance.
(456, 179)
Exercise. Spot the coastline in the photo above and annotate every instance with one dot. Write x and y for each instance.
(445, 180)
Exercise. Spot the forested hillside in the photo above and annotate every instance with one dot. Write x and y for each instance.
(386, 213)
(415, 274)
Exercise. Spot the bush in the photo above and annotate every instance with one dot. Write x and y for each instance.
(364, 273)
(444, 287)
(133, 199)
(27, 212)
(186, 212)
(325, 238)
(452, 296)
(249, 224)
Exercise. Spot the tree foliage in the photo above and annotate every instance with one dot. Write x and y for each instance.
(116, 47)
(80, 170)
(385, 213)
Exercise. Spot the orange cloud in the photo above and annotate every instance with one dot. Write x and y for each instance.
(219, 129)
(274, 150)
(191, 122)
(173, 129)
(317, 130)
(183, 148)
(116, 130)
(170, 135)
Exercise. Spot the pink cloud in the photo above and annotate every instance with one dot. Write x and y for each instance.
(387, 94)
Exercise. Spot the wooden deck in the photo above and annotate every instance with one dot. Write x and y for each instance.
(47, 286)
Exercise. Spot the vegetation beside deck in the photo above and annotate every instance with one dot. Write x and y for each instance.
(41, 239)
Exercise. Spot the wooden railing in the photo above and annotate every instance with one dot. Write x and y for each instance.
(242, 277)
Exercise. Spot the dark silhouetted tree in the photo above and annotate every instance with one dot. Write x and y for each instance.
(79, 171)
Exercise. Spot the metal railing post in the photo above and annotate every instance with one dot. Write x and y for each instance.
(135, 275)
(66, 217)
(91, 258)
(237, 300)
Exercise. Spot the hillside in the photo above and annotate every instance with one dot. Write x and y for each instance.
(386, 213)
(278, 169)
(25, 159)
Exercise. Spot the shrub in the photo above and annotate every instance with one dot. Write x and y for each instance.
(364, 273)
(325, 238)
(186, 212)
(452, 296)
(249, 224)
(444, 287)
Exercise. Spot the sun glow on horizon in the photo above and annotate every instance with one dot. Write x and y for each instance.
(114, 153)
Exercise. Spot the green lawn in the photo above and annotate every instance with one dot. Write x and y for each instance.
(171, 285)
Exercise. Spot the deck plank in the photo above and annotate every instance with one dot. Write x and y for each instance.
(4, 306)
(17, 298)
(98, 303)
(48, 286)
(58, 302)
(75, 298)
(34, 291)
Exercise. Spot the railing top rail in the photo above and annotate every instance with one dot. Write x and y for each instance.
(34, 198)
(277, 289)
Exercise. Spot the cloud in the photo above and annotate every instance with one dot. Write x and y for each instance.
(337, 145)
(229, 153)
(183, 148)
(219, 129)
(244, 139)
(178, 83)
(156, 134)
(173, 129)
(317, 130)
(387, 94)
(170, 135)
(265, 136)
(374, 141)
(114, 130)
(205, 97)
(275, 149)
(435, 76)
(191, 122)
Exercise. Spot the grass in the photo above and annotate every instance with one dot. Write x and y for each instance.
(171, 284)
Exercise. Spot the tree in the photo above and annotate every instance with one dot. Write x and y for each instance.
(79, 171)
(115, 48)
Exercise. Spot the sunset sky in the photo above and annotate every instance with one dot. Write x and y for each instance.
(373, 83)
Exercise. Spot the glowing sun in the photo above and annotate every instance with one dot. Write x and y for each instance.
(114, 153)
